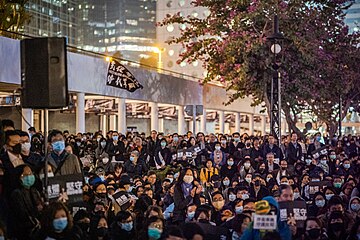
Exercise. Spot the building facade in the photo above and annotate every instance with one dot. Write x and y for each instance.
(53, 18)
(353, 17)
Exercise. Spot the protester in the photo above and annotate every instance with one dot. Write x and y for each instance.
(127, 186)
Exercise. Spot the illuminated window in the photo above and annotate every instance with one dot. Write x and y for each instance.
(183, 64)
(182, 26)
(206, 13)
(196, 63)
(194, 14)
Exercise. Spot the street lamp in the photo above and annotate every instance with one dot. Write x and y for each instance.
(275, 98)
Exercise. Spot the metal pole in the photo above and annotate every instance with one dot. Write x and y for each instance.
(46, 182)
(194, 119)
(279, 103)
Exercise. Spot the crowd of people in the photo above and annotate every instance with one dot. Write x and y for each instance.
(177, 187)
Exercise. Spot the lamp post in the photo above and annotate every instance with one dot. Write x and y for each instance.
(275, 98)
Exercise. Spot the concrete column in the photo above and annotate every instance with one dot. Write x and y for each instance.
(42, 120)
(28, 118)
(112, 122)
(284, 127)
(154, 114)
(203, 122)
(121, 116)
(161, 125)
(103, 122)
(227, 128)
(190, 124)
(237, 122)
(221, 121)
(251, 124)
(80, 112)
(263, 125)
(181, 120)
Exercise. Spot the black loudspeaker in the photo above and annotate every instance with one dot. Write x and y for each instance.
(44, 73)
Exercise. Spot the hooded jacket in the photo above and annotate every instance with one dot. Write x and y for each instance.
(282, 227)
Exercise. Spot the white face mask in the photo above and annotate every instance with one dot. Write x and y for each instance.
(105, 160)
(25, 147)
(217, 147)
(188, 179)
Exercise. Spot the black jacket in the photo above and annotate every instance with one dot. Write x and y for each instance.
(181, 203)
(293, 153)
(263, 192)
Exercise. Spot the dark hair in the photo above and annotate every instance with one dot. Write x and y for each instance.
(283, 187)
(53, 133)
(191, 229)
(81, 214)
(313, 219)
(122, 215)
(238, 221)
(10, 133)
(23, 134)
(335, 200)
(7, 123)
(272, 236)
(49, 216)
(181, 176)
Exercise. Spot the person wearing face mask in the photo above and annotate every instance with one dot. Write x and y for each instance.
(123, 226)
(218, 203)
(186, 191)
(354, 206)
(316, 144)
(25, 205)
(162, 155)
(29, 157)
(101, 155)
(336, 226)
(236, 145)
(61, 162)
(190, 212)
(257, 189)
(229, 169)
(135, 165)
(116, 147)
(318, 205)
(99, 229)
(313, 230)
(82, 221)
(218, 156)
(57, 223)
(246, 168)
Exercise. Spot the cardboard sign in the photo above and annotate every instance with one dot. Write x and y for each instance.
(315, 187)
(293, 209)
(66, 189)
(265, 222)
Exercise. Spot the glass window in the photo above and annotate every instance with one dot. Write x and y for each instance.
(171, 52)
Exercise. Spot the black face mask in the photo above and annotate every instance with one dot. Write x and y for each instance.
(101, 195)
(203, 221)
(101, 232)
(337, 227)
(84, 226)
(313, 233)
(248, 144)
(257, 183)
(16, 149)
(217, 184)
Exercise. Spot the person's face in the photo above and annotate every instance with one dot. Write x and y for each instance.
(311, 224)
(150, 193)
(337, 207)
(240, 193)
(158, 224)
(250, 206)
(189, 173)
(256, 142)
(270, 158)
(138, 142)
(283, 164)
(284, 181)
(192, 141)
(102, 223)
(26, 172)
(153, 134)
(212, 138)
(348, 190)
(60, 214)
(271, 140)
(152, 179)
(294, 137)
(208, 164)
(202, 216)
(57, 138)
(245, 224)
(140, 191)
(286, 195)
(201, 137)
(24, 139)
(191, 208)
(13, 140)
(101, 189)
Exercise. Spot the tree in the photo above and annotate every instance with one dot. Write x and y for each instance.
(13, 15)
(232, 43)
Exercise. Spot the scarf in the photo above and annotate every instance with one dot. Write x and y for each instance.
(186, 188)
